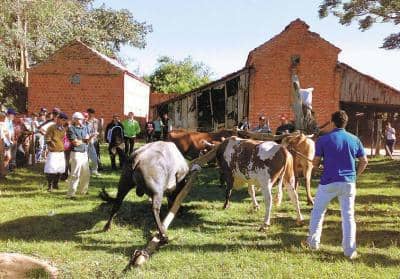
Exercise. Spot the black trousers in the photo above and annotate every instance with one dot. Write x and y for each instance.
(129, 145)
(149, 137)
(114, 150)
(97, 147)
(157, 136)
(390, 144)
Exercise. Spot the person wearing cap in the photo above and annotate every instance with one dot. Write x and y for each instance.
(114, 135)
(263, 125)
(286, 127)
(55, 161)
(131, 130)
(80, 173)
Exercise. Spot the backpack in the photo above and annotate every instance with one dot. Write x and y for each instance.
(110, 133)
(67, 143)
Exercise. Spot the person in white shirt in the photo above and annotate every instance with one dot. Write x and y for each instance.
(10, 144)
(390, 139)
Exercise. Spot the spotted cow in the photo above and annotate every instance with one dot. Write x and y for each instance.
(259, 164)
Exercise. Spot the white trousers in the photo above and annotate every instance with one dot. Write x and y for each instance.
(346, 193)
(80, 174)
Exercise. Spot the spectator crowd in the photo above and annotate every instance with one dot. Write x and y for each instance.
(69, 146)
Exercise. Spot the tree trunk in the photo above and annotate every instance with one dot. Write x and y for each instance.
(297, 103)
(26, 61)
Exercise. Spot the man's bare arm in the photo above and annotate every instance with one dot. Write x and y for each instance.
(362, 164)
(316, 161)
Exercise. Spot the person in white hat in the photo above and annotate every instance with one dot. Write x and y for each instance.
(80, 173)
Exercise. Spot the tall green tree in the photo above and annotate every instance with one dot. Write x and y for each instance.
(171, 76)
(366, 13)
(31, 30)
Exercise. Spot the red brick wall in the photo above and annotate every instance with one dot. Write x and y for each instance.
(101, 84)
(270, 80)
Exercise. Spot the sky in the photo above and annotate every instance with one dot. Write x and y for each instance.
(220, 33)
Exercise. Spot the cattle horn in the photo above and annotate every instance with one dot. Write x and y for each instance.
(208, 144)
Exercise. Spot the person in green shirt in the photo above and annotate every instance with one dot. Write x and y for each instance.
(131, 130)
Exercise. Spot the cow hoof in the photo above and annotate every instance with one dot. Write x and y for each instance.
(263, 228)
(256, 208)
(163, 239)
(226, 206)
(277, 203)
(310, 202)
(299, 222)
(106, 228)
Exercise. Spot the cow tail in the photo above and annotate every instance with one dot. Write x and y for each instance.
(288, 172)
(123, 182)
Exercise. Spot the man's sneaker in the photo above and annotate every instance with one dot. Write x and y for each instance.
(353, 256)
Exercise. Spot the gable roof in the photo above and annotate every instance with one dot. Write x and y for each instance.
(113, 62)
(295, 23)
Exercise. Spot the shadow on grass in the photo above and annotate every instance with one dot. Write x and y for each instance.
(67, 227)
(381, 199)
(369, 259)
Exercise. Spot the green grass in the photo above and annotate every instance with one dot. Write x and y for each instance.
(205, 241)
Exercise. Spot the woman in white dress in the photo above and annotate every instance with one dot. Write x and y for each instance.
(55, 161)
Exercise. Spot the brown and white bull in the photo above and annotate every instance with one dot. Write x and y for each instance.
(259, 164)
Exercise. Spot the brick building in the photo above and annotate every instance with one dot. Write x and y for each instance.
(264, 86)
(77, 77)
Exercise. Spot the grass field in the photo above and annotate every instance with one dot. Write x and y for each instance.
(205, 241)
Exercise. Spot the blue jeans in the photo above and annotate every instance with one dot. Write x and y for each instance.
(92, 154)
(346, 193)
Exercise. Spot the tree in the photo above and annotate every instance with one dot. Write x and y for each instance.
(367, 13)
(172, 76)
(31, 30)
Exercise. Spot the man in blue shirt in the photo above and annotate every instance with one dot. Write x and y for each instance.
(339, 150)
(80, 174)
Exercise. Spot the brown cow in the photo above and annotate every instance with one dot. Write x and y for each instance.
(303, 150)
(191, 144)
(260, 164)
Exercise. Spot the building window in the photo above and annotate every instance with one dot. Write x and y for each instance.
(295, 60)
(76, 79)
